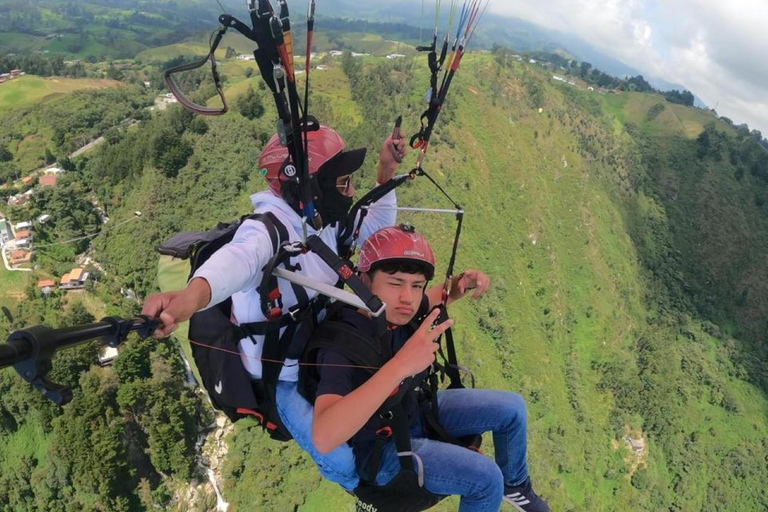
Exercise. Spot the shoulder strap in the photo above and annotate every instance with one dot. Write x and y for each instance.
(278, 233)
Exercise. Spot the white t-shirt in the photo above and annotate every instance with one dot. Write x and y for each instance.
(237, 268)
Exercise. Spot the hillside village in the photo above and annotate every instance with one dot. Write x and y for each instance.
(17, 244)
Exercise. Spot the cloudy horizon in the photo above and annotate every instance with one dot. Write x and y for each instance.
(714, 49)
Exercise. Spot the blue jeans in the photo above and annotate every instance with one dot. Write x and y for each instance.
(451, 469)
(337, 466)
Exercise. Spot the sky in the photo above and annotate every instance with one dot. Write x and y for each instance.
(717, 49)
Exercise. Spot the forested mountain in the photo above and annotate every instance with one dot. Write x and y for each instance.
(626, 237)
(99, 28)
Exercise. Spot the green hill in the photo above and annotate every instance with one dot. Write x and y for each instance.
(29, 90)
(627, 247)
(81, 29)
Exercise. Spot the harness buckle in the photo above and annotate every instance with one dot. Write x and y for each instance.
(295, 312)
(275, 310)
(382, 309)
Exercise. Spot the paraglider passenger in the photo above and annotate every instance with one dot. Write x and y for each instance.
(396, 263)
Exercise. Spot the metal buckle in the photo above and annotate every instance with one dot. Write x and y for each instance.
(294, 312)
(382, 309)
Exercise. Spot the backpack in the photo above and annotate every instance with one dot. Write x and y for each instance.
(214, 338)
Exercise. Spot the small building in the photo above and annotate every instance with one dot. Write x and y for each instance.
(107, 355)
(336, 53)
(43, 218)
(73, 280)
(23, 238)
(147, 84)
(26, 180)
(395, 56)
(18, 200)
(15, 73)
(637, 445)
(3, 79)
(55, 171)
(48, 180)
(322, 67)
(5, 232)
(46, 283)
(20, 256)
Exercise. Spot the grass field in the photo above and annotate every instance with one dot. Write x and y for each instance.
(30, 90)
(12, 285)
(675, 119)
(14, 42)
(162, 53)
(359, 42)
(200, 47)
(171, 276)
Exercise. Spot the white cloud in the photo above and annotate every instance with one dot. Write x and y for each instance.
(716, 49)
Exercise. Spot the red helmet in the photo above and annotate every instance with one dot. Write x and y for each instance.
(326, 153)
(397, 244)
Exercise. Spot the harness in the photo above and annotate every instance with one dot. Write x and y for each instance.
(405, 492)
(214, 337)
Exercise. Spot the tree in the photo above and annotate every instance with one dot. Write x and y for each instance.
(230, 52)
(170, 152)
(250, 104)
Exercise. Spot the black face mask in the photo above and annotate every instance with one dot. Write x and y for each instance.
(333, 205)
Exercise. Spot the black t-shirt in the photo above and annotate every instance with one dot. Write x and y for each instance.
(338, 380)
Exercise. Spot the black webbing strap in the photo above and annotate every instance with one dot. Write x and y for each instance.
(451, 367)
(269, 291)
(343, 269)
(352, 229)
(394, 423)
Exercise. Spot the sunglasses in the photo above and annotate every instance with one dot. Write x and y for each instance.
(343, 183)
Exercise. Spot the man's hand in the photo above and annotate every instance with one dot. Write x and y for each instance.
(391, 155)
(419, 351)
(473, 280)
(174, 308)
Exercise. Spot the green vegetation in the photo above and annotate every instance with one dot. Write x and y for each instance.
(12, 285)
(625, 236)
(39, 136)
(30, 90)
(96, 30)
(673, 119)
